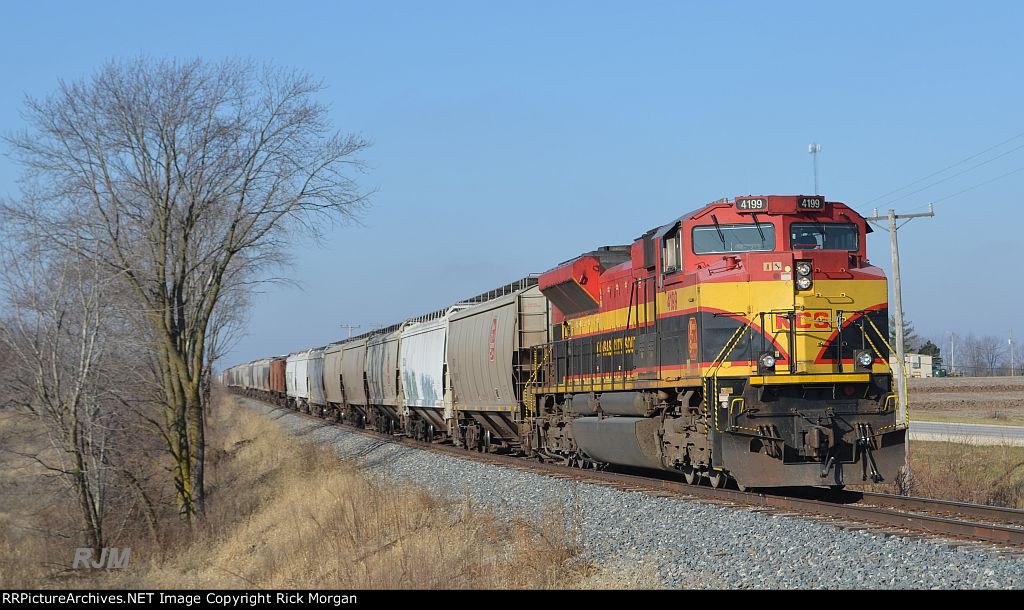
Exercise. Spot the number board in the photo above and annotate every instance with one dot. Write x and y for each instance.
(754, 204)
(810, 203)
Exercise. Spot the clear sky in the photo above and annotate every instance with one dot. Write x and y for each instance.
(509, 136)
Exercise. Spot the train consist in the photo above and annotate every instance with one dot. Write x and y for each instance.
(744, 341)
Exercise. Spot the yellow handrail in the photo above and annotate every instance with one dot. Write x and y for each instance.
(527, 392)
(903, 366)
(716, 366)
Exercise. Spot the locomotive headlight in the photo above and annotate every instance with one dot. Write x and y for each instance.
(864, 359)
(803, 269)
(803, 282)
(766, 363)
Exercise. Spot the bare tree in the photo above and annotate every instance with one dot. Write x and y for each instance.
(985, 354)
(54, 329)
(990, 351)
(188, 179)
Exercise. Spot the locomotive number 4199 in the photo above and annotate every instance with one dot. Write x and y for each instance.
(810, 203)
(752, 204)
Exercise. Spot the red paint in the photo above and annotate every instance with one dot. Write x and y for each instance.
(805, 320)
(494, 334)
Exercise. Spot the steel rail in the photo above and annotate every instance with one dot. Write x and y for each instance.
(936, 505)
(847, 505)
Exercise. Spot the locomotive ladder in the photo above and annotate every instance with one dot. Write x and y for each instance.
(529, 399)
(535, 365)
(710, 381)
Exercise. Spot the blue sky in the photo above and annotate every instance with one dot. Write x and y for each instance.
(509, 136)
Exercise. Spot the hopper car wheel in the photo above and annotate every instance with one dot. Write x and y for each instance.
(691, 476)
(717, 478)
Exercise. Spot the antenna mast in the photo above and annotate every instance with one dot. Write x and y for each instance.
(814, 148)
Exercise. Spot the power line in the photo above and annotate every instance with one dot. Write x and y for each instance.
(948, 167)
(950, 177)
(971, 188)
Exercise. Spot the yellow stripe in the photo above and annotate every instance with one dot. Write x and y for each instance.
(784, 379)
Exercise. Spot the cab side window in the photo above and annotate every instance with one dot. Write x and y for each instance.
(670, 262)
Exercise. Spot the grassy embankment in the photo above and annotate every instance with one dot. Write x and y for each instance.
(285, 513)
(966, 473)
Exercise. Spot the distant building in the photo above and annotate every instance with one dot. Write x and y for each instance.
(918, 365)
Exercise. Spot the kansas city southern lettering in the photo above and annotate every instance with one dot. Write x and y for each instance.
(607, 347)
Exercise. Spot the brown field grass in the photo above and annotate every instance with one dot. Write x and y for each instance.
(972, 400)
(991, 475)
(285, 513)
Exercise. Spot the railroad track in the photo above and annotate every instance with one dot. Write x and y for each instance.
(959, 521)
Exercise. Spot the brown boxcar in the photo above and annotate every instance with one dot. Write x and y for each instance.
(277, 386)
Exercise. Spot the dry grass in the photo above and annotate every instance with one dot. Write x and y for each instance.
(972, 400)
(284, 513)
(966, 473)
(32, 505)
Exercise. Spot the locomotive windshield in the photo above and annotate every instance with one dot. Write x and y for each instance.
(819, 236)
(724, 239)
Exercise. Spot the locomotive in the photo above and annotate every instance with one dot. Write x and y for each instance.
(744, 341)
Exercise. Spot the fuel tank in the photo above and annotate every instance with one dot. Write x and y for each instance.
(629, 441)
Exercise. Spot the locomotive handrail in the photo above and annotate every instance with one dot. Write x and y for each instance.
(716, 366)
(903, 367)
(532, 403)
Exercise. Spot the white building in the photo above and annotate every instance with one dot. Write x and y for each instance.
(918, 365)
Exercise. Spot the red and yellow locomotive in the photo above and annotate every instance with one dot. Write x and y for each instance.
(744, 340)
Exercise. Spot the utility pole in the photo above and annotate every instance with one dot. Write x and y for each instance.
(814, 148)
(349, 327)
(952, 337)
(1010, 341)
(901, 380)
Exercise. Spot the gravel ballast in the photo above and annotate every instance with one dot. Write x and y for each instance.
(640, 539)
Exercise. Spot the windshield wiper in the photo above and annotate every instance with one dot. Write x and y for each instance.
(758, 225)
(718, 228)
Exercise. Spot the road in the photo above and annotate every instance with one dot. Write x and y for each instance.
(975, 434)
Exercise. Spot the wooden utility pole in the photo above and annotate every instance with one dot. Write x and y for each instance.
(901, 380)
(952, 339)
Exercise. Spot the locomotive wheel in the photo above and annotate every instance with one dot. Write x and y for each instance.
(717, 479)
